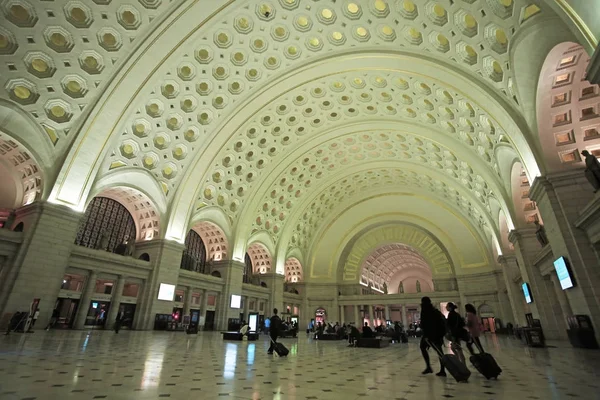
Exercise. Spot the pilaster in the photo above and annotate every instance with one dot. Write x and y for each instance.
(526, 249)
(115, 302)
(38, 267)
(560, 198)
(84, 301)
(165, 256)
(275, 285)
(509, 269)
(232, 273)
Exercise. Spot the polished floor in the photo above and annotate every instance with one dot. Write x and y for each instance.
(154, 365)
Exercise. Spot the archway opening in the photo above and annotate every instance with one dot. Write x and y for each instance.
(396, 268)
(20, 175)
(194, 255)
(525, 209)
(140, 207)
(260, 258)
(293, 270)
(568, 112)
(106, 225)
(214, 239)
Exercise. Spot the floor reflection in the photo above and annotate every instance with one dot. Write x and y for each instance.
(152, 365)
(230, 360)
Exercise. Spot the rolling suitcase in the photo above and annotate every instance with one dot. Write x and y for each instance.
(403, 337)
(280, 349)
(453, 365)
(485, 364)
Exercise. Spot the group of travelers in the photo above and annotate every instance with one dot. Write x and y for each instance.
(454, 328)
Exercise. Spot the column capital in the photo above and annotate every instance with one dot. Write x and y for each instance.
(228, 264)
(57, 210)
(506, 258)
(520, 233)
(159, 243)
(547, 183)
(539, 186)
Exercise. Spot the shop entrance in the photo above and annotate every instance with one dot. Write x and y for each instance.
(67, 309)
(97, 313)
(209, 322)
(320, 316)
(128, 312)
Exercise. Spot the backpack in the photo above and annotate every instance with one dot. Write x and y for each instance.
(440, 323)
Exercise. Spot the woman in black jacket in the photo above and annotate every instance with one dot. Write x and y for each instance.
(434, 329)
(456, 331)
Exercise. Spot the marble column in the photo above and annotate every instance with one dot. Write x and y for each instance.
(165, 256)
(187, 301)
(387, 312)
(526, 249)
(115, 301)
(203, 305)
(356, 315)
(404, 317)
(342, 316)
(372, 316)
(84, 302)
(510, 270)
(560, 197)
(246, 307)
(39, 265)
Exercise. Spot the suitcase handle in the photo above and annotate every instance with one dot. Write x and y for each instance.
(438, 351)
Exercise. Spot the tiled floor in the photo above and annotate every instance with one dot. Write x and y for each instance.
(153, 365)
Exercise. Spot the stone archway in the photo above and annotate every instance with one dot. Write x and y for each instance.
(391, 265)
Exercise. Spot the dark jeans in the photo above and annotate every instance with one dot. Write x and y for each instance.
(477, 342)
(273, 336)
(439, 343)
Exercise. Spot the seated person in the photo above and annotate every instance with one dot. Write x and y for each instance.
(367, 331)
(244, 329)
(319, 331)
(353, 335)
(379, 329)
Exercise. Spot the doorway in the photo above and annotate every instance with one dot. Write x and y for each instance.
(67, 309)
(128, 312)
(209, 323)
(97, 313)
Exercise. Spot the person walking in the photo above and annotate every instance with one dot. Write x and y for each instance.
(433, 325)
(118, 321)
(274, 330)
(456, 331)
(53, 319)
(474, 327)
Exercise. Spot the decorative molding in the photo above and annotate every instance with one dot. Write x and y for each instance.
(593, 69)
(517, 234)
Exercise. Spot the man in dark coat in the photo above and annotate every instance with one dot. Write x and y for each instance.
(433, 325)
(274, 330)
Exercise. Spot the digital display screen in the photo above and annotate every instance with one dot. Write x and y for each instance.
(564, 276)
(166, 292)
(253, 322)
(236, 301)
(527, 293)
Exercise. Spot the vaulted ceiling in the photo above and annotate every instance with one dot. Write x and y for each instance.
(275, 113)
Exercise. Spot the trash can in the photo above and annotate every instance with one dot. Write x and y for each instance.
(581, 332)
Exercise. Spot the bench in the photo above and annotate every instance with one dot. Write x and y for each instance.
(288, 334)
(373, 343)
(238, 336)
(329, 336)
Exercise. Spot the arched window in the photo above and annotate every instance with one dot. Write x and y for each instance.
(247, 268)
(194, 255)
(108, 217)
